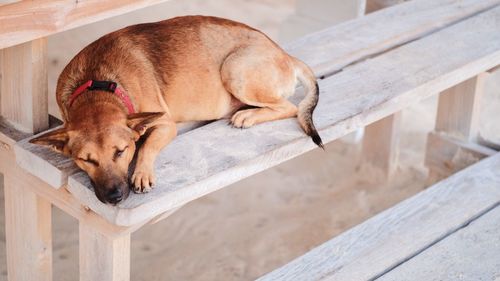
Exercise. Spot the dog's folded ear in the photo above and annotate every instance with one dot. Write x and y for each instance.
(140, 122)
(56, 139)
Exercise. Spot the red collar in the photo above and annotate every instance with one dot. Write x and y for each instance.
(107, 86)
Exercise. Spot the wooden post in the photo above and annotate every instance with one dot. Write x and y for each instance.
(381, 145)
(28, 233)
(27, 216)
(102, 257)
(24, 86)
(456, 122)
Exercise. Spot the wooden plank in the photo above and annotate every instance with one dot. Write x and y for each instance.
(102, 258)
(471, 253)
(458, 109)
(381, 243)
(28, 20)
(28, 232)
(216, 155)
(381, 146)
(24, 85)
(326, 51)
(330, 50)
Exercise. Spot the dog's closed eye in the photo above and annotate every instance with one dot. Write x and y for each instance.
(119, 152)
(90, 161)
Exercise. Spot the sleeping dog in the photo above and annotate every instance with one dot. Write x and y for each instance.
(143, 79)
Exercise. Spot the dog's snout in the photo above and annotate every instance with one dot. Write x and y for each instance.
(115, 195)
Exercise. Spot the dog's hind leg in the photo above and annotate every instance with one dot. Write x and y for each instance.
(263, 78)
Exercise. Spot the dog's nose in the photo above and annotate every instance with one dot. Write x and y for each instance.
(115, 195)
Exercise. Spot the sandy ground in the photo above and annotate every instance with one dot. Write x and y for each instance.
(264, 221)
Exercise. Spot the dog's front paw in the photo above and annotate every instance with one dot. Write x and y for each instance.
(143, 180)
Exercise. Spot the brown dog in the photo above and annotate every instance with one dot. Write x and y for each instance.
(142, 79)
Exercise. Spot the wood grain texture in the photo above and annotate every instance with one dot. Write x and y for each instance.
(381, 146)
(381, 243)
(28, 20)
(213, 156)
(24, 85)
(28, 230)
(326, 52)
(459, 109)
(332, 49)
(471, 253)
(102, 258)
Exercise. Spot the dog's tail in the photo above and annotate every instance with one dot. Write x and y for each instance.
(308, 104)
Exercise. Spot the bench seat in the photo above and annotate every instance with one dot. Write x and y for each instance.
(378, 65)
(447, 229)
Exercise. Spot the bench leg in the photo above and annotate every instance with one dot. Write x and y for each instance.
(381, 146)
(28, 233)
(103, 258)
(456, 121)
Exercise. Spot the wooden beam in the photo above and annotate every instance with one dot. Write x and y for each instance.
(381, 146)
(458, 109)
(28, 232)
(103, 258)
(457, 129)
(24, 85)
(28, 20)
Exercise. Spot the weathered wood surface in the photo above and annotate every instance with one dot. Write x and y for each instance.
(381, 146)
(213, 156)
(471, 253)
(28, 230)
(23, 100)
(103, 258)
(332, 49)
(326, 51)
(381, 243)
(193, 165)
(28, 20)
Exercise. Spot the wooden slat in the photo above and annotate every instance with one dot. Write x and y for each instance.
(332, 49)
(383, 242)
(213, 156)
(28, 230)
(326, 51)
(24, 85)
(103, 258)
(471, 253)
(28, 20)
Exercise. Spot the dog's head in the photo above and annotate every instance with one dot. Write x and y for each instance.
(102, 148)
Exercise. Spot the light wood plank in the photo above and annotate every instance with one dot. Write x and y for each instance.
(193, 165)
(381, 146)
(28, 233)
(381, 243)
(28, 20)
(471, 253)
(326, 51)
(330, 50)
(102, 258)
(24, 85)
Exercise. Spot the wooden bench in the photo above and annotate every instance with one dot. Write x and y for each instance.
(371, 68)
(451, 231)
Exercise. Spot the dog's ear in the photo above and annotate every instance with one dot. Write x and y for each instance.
(140, 122)
(56, 139)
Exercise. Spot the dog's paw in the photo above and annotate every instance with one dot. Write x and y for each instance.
(243, 118)
(143, 180)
